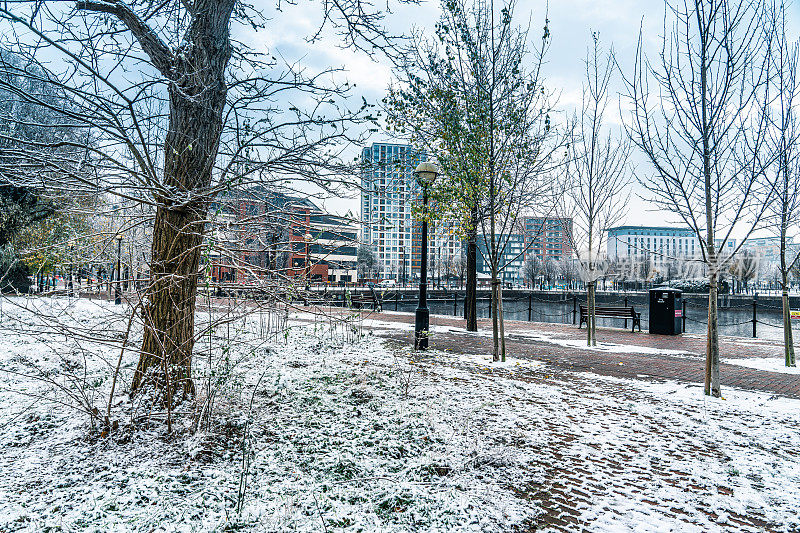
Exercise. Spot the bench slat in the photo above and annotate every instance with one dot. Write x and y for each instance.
(626, 313)
(614, 311)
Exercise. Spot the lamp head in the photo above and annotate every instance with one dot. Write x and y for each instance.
(308, 237)
(118, 237)
(426, 173)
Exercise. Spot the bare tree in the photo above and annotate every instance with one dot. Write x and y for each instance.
(702, 129)
(550, 271)
(366, 261)
(172, 112)
(460, 268)
(567, 271)
(531, 269)
(784, 209)
(598, 174)
(744, 268)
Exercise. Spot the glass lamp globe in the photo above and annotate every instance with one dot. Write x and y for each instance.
(426, 173)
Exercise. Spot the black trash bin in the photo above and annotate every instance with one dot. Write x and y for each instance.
(665, 311)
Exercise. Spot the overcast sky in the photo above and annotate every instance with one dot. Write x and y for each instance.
(571, 24)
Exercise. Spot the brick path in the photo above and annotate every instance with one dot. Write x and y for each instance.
(616, 472)
(576, 474)
(647, 469)
(686, 368)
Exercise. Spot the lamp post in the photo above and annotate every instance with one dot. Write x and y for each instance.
(403, 266)
(426, 174)
(70, 286)
(118, 286)
(308, 237)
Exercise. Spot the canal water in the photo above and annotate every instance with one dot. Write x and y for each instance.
(735, 312)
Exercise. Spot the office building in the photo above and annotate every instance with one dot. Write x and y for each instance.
(659, 243)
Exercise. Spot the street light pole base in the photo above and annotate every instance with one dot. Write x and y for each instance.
(421, 328)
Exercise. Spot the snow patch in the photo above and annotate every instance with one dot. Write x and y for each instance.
(770, 364)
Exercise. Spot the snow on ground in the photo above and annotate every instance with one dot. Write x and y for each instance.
(770, 364)
(609, 347)
(539, 336)
(349, 432)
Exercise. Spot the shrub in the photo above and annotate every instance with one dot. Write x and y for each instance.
(13, 273)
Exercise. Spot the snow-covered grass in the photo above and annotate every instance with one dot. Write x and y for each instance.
(348, 432)
(342, 433)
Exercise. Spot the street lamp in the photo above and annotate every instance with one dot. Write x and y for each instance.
(118, 287)
(70, 286)
(308, 237)
(402, 265)
(426, 174)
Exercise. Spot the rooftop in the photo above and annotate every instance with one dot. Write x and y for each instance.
(623, 229)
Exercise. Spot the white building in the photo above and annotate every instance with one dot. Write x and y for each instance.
(769, 248)
(389, 193)
(659, 243)
(654, 242)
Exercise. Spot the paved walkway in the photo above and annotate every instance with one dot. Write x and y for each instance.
(599, 460)
(687, 366)
(578, 473)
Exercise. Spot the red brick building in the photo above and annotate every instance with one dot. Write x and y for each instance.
(259, 234)
(547, 238)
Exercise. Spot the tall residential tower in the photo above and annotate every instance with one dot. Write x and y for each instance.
(388, 193)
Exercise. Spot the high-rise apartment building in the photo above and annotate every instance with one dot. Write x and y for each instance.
(388, 194)
(512, 256)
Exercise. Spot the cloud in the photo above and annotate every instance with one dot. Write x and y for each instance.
(570, 22)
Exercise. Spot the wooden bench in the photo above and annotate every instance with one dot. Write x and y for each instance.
(625, 313)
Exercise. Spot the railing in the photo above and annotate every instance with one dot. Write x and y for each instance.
(384, 297)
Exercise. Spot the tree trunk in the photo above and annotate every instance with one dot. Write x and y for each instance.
(712, 386)
(197, 97)
(501, 322)
(471, 297)
(594, 313)
(493, 252)
(495, 325)
(170, 302)
(591, 331)
(788, 341)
